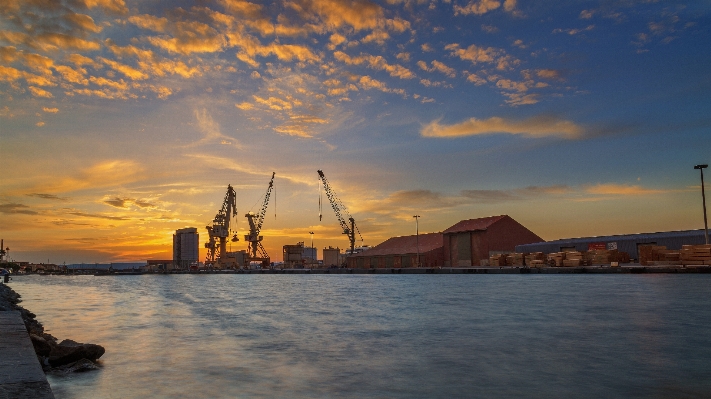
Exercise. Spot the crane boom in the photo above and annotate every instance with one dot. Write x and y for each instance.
(255, 226)
(341, 212)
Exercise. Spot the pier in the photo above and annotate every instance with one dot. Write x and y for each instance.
(21, 376)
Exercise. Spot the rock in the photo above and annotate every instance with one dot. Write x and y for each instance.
(42, 347)
(80, 365)
(69, 351)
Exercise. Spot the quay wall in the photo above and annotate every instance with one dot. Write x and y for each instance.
(21, 376)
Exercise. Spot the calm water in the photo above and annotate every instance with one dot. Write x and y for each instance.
(373, 336)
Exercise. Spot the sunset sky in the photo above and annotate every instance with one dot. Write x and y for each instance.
(122, 121)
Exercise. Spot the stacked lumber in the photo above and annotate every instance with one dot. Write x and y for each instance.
(514, 259)
(535, 259)
(556, 259)
(695, 254)
(497, 260)
(604, 256)
(650, 253)
(573, 259)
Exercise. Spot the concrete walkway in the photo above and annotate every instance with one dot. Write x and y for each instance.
(21, 375)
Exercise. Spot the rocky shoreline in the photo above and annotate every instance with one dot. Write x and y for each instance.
(65, 356)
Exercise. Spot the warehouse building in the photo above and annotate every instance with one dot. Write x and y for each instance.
(463, 245)
(628, 243)
(469, 242)
(399, 252)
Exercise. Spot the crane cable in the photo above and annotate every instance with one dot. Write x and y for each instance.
(320, 210)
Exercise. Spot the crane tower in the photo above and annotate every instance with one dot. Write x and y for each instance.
(349, 229)
(255, 249)
(220, 228)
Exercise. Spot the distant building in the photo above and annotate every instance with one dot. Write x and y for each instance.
(292, 255)
(310, 254)
(158, 265)
(333, 257)
(185, 247)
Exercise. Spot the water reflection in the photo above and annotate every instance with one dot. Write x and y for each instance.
(410, 336)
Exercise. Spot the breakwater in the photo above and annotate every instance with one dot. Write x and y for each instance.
(28, 351)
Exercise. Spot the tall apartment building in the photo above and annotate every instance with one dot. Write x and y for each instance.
(186, 244)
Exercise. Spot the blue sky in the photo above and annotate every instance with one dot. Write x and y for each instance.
(122, 121)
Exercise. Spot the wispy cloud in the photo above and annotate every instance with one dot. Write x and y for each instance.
(211, 130)
(125, 203)
(47, 196)
(536, 127)
(16, 208)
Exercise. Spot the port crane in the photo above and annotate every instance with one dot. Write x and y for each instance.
(341, 212)
(220, 228)
(255, 249)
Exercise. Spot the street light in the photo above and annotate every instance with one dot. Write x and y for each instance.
(312, 249)
(417, 237)
(703, 198)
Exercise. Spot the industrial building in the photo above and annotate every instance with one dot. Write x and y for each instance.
(628, 243)
(185, 247)
(468, 242)
(399, 252)
(333, 257)
(463, 245)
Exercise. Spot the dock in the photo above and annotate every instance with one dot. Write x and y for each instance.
(21, 375)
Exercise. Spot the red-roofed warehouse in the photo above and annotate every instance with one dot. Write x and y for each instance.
(463, 245)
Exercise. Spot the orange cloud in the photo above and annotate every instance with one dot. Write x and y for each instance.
(149, 22)
(437, 66)
(336, 14)
(66, 42)
(378, 36)
(479, 7)
(533, 127)
(71, 75)
(116, 6)
(242, 8)
(548, 74)
(80, 60)
(375, 62)
(9, 74)
(620, 189)
(274, 103)
(474, 53)
(132, 73)
(83, 22)
(37, 92)
(101, 81)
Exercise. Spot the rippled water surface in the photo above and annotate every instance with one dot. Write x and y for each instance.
(380, 336)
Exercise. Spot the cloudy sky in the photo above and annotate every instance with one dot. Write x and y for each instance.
(122, 121)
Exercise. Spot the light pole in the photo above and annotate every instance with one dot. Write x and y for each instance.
(703, 199)
(417, 237)
(312, 249)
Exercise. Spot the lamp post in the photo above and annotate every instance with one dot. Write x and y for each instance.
(312, 249)
(703, 199)
(417, 237)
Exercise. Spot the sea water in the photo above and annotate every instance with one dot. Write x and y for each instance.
(382, 336)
